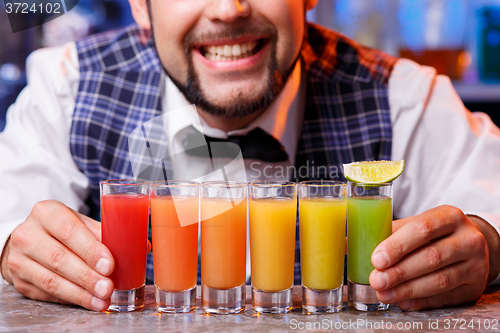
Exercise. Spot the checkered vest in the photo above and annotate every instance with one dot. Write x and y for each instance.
(347, 116)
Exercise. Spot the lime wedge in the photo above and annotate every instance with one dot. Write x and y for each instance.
(374, 172)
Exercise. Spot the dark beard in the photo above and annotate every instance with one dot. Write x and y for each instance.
(241, 106)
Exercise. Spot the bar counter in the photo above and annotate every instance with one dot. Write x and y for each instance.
(19, 314)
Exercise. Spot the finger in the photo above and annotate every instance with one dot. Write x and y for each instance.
(429, 285)
(62, 261)
(93, 225)
(59, 289)
(26, 289)
(397, 224)
(459, 295)
(62, 224)
(54, 256)
(6, 273)
(149, 246)
(434, 256)
(421, 229)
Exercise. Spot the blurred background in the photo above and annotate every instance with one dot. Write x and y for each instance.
(460, 38)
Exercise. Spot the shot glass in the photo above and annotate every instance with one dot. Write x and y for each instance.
(223, 246)
(174, 226)
(369, 222)
(322, 214)
(125, 216)
(273, 216)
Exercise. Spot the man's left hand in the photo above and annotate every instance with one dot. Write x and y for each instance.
(436, 259)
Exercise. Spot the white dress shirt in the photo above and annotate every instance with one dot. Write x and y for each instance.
(452, 156)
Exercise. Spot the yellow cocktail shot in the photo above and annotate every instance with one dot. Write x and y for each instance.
(273, 215)
(322, 213)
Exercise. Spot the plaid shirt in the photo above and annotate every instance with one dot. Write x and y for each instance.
(346, 119)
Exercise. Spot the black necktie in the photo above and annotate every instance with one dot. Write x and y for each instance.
(257, 144)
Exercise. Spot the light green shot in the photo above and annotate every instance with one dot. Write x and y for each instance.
(369, 222)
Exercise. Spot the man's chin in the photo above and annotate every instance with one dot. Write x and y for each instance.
(236, 109)
(231, 100)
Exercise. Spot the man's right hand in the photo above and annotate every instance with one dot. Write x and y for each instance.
(57, 255)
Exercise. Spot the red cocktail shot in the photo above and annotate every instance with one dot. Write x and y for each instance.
(124, 217)
(125, 233)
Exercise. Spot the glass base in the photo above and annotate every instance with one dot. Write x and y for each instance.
(223, 301)
(364, 298)
(321, 301)
(272, 301)
(175, 301)
(127, 300)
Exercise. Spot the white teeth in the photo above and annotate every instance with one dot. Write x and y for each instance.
(229, 52)
(236, 50)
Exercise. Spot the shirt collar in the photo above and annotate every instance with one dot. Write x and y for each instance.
(282, 119)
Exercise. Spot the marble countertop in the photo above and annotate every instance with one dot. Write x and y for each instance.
(19, 314)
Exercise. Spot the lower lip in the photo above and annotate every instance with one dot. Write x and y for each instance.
(240, 64)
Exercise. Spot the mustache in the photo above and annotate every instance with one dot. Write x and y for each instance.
(230, 32)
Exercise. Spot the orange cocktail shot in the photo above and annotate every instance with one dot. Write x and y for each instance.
(273, 216)
(174, 225)
(223, 246)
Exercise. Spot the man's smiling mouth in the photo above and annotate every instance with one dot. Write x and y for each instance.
(232, 52)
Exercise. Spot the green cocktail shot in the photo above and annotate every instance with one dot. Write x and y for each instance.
(369, 223)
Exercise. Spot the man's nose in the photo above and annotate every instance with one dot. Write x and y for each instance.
(228, 10)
